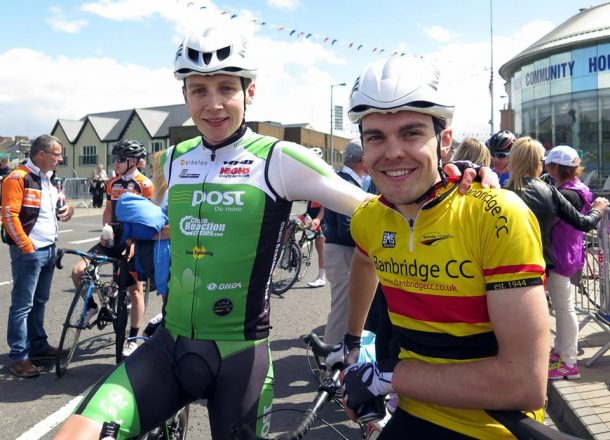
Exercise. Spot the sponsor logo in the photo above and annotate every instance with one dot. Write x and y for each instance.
(199, 252)
(184, 162)
(191, 226)
(424, 272)
(218, 198)
(431, 238)
(224, 286)
(223, 307)
(235, 168)
(184, 174)
(389, 239)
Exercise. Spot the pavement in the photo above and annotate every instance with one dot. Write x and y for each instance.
(579, 407)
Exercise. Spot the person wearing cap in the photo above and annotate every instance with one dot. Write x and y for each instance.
(339, 246)
(229, 196)
(564, 166)
(471, 318)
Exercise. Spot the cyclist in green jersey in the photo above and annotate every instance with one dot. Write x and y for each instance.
(229, 196)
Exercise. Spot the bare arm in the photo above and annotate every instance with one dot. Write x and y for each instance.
(362, 284)
(515, 378)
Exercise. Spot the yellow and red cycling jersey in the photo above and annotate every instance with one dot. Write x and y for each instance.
(435, 273)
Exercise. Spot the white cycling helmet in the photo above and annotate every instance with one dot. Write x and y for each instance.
(399, 83)
(318, 151)
(211, 52)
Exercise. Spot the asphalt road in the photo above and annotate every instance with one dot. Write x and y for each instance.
(33, 408)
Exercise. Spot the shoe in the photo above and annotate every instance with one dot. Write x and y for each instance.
(24, 368)
(48, 353)
(554, 357)
(130, 347)
(561, 370)
(91, 312)
(318, 282)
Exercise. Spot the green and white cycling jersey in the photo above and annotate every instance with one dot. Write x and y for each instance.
(227, 212)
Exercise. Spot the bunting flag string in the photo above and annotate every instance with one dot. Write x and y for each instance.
(305, 35)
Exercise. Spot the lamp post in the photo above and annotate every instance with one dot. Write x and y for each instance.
(332, 123)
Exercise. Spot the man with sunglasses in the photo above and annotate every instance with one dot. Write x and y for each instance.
(30, 217)
(499, 146)
(126, 154)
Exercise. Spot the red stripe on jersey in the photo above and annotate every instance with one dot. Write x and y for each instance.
(437, 308)
(531, 268)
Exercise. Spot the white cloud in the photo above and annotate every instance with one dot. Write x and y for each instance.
(45, 89)
(59, 23)
(438, 33)
(283, 4)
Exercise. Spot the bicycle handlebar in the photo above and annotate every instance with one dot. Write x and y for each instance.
(96, 258)
(326, 391)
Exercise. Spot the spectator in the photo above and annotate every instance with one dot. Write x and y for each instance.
(31, 231)
(499, 145)
(339, 247)
(97, 185)
(142, 167)
(563, 165)
(4, 167)
(315, 211)
(526, 163)
(473, 150)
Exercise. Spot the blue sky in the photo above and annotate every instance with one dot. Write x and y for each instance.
(67, 58)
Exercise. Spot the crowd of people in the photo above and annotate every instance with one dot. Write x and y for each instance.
(423, 252)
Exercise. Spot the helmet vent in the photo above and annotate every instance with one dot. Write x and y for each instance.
(223, 53)
(193, 55)
(207, 57)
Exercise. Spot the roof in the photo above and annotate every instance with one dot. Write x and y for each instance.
(588, 26)
(110, 126)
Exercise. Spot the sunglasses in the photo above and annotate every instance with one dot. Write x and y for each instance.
(118, 159)
(500, 155)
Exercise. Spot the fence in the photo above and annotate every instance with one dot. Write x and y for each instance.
(76, 190)
(592, 293)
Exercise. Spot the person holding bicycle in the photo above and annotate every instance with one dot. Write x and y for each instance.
(229, 196)
(471, 317)
(125, 156)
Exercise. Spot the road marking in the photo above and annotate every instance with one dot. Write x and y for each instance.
(44, 426)
(87, 240)
(4, 283)
(66, 230)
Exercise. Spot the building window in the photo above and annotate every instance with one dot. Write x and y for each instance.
(156, 146)
(89, 156)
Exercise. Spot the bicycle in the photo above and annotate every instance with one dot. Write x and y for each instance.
(294, 257)
(113, 302)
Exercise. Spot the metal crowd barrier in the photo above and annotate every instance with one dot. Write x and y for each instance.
(76, 190)
(592, 293)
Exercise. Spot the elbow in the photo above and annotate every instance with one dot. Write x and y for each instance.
(529, 396)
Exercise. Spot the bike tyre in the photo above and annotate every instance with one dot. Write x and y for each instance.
(285, 275)
(174, 428)
(71, 330)
(120, 324)
(306, 251)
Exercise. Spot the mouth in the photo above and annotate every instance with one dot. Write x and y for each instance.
(215, 122)
(398, 173)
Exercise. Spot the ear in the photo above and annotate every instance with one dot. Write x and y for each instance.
(250, 93)
(446, 140)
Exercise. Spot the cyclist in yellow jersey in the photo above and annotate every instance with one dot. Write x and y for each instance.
(462, 274)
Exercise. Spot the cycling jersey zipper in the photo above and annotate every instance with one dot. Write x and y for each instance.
(411, 222)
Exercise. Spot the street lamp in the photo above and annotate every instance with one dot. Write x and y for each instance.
(332, 122)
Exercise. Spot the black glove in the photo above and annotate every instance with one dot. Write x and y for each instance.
(345, 353)
(463, 165)
(365, 380)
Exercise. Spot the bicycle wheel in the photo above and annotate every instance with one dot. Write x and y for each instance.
(306, 250)
(120, 324)
(72, 328)
(287, 268)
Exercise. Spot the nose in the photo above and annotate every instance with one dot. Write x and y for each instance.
(394, 149)
(213, 101)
